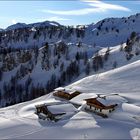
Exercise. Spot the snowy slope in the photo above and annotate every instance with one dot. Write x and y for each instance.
(119, 80)
(123, 123)
(112, 31)
(57, 66)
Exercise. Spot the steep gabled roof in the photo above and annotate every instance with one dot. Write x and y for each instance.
(99, 103)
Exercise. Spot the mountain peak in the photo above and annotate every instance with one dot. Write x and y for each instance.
(1, 29)
(16, 26)
(38, 24)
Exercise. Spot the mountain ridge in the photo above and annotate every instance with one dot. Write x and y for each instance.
(31, 25)
(114, 30)
(42, 22)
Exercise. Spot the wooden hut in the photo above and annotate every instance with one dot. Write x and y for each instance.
(54, 112)
(43, 110)
(65, 94)
(100, 106)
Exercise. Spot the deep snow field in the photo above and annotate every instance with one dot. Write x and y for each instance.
(20, 122)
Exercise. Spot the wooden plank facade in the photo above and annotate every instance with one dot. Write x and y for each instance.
(66, 95)
(94, 105)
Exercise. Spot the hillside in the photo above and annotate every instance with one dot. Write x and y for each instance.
(123, 80)
(26, 74)
(122, 83)
(114, 30)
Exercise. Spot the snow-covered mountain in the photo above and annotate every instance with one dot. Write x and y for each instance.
(39, 24)
(51, 66)
(29, 72)
(106, 33)
(98, 60)
(112, 31)
(16, 26)
(35, 72)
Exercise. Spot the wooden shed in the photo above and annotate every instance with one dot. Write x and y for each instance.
(44, 109)
(65, 94)
(54, 112)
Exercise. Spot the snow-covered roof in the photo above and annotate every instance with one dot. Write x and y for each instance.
(67, 90)
(80, 98)
(112, 99)
(116, 98)
(62, 108)
(59, 89)
(104, 101)
(70, 92)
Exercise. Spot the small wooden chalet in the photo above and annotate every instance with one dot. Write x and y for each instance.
(65, 94)
(43, 112)
(53, 112)
(100, 106)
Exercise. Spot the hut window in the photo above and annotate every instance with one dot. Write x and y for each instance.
(100, 110)
(90, 106)
(109, 111)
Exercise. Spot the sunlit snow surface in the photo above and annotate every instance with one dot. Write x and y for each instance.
(19, 121)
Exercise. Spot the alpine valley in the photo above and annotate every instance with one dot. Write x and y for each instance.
(99, 60)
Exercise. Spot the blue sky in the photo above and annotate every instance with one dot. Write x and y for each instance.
(64, 12)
